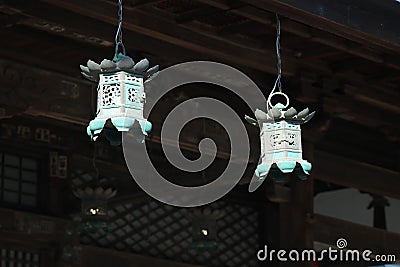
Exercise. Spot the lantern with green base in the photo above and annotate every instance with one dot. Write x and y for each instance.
(120, 93)
(280, 134)
(94, 207)
(204, 229)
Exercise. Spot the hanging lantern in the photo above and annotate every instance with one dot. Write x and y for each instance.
(120, 91)
(280, 133)
(94, 207)
(204, 228)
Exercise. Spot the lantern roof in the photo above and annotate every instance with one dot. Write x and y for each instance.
(92, 70)
(278, 113)
(98, 192)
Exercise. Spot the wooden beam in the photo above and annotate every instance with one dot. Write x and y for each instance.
(70, 97)
(196, 13)
(307, 12)
(328, 230)
(163, 29)
(141, 3)
(384, 98)
(314, 31)
(42, 230)
(354, 174)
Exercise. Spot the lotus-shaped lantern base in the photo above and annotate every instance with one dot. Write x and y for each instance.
(280, 171)
(121, 124)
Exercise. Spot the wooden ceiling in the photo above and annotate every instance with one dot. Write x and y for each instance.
(350, 78)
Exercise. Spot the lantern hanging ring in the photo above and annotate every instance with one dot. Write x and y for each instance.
(277, 93)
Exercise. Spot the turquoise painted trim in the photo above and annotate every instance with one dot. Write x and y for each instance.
(278, 155)
(286, 166)
(123, 123)
(295, 155)
(137, 84)
(89, 132)
(113, 106)
(146, 126)
(118, 82)
(132, 106)
(306, 167)
(263, 170)
(97, 125)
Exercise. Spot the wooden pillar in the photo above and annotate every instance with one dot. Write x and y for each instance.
(296, 230)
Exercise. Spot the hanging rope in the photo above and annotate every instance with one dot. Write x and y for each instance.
(118, 36)
(277, 89)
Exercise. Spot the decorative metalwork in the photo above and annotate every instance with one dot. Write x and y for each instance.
(281, 147)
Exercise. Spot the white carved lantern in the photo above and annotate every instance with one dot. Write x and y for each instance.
(280, 133)
(120, 94)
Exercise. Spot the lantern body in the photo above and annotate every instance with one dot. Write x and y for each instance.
(94, 210)
(281, 149)
(204, 232)
(204, 229)
(281, 145)
(94, 215)
(94, 207)
(120, 96)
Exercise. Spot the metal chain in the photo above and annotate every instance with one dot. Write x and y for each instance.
(118, 35)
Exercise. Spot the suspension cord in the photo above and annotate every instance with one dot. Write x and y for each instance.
(278, 84)
(278, 54)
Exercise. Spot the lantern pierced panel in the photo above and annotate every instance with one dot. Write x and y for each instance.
(135, 96)
(111, 78)
(134, 79)
(111, 94)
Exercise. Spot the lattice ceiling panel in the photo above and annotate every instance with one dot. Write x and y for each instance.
(163, 231)
(80, 178)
